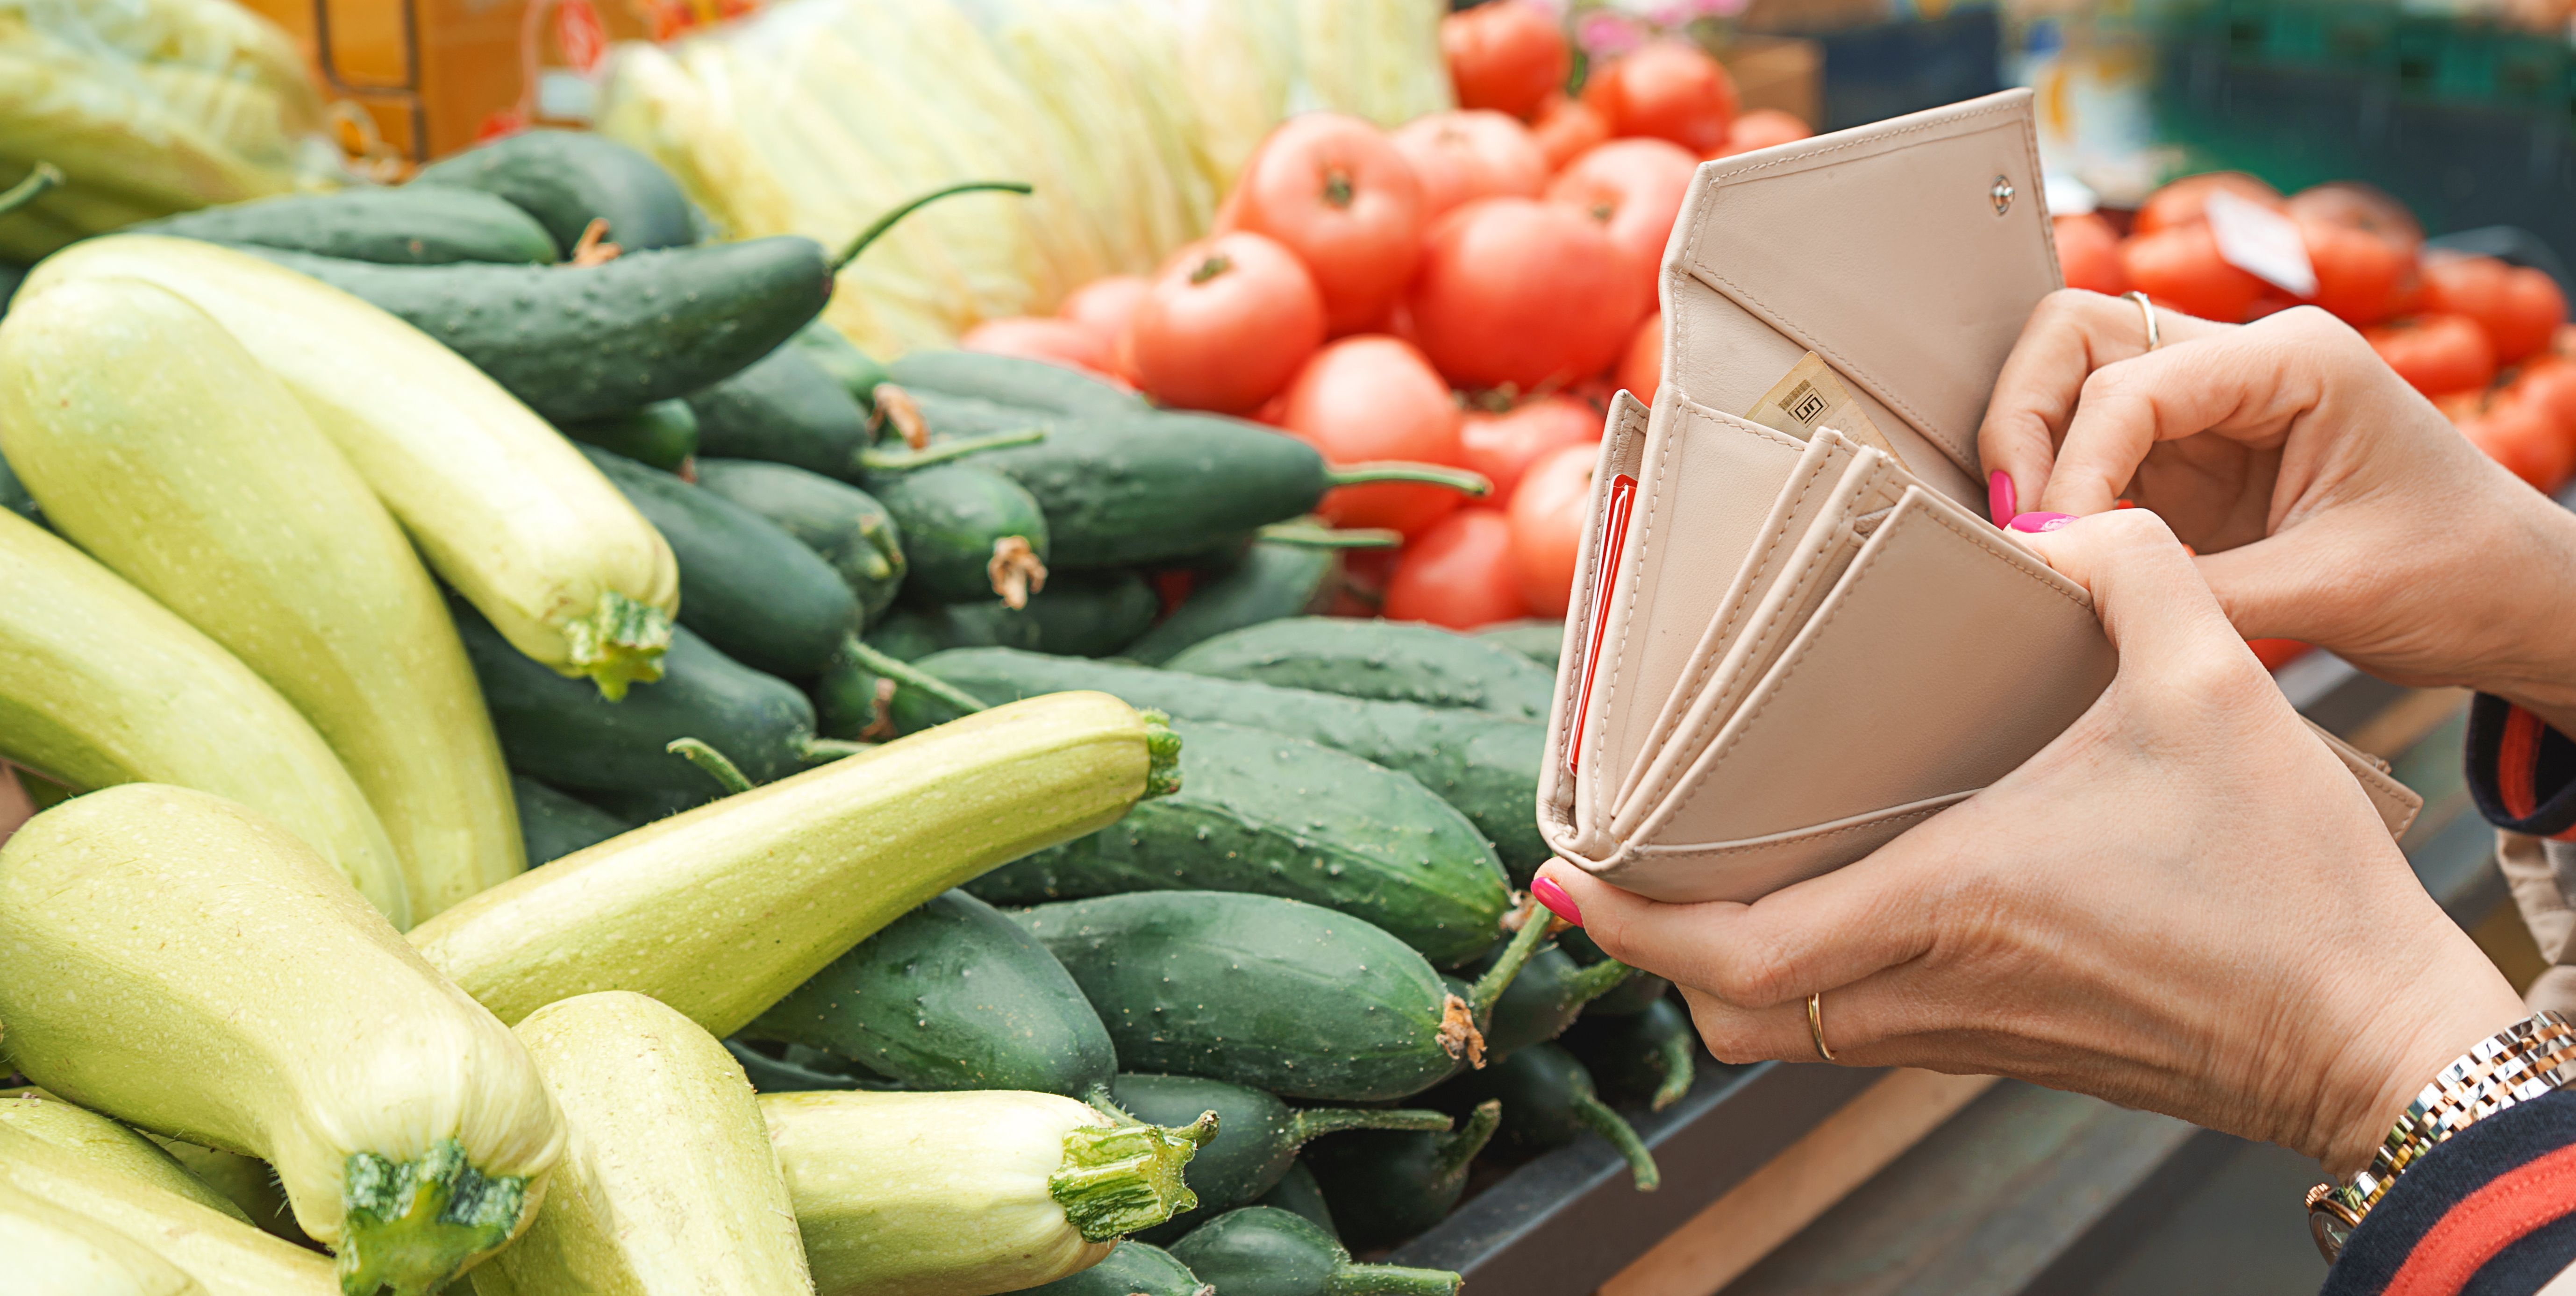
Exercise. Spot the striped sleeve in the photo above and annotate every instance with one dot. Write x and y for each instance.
(2522, 772)
(2489, 1212)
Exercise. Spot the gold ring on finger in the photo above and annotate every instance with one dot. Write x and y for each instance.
(1816, 1024)
(2147, 309)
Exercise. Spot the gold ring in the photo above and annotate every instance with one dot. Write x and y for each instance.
(2148, 309)
(1816, 1024)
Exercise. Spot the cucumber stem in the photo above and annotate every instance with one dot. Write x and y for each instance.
(890, 461)
(881, 224)
(45, 176)
(1489, 988)
(904, 674)
(1681, 1068)
(1306, 535)
(1116, 1179)
(831, 749)
(411, 1225)
(1590, 983)
(1597, 1117)
(1162, 755)
(1315, 1122)
(621, 642)
(1467, 1140)
(1457, 479)
(1390, 1280)
(727, 775)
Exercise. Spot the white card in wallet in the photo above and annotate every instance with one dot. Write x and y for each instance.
(1784, 652)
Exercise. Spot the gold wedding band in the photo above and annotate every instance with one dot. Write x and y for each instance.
(2148, 309)
(1816, 1024)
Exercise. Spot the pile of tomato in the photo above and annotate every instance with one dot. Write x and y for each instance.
(2488, 342)
(1467, 289)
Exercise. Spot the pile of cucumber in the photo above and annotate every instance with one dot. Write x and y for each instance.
(947, 752)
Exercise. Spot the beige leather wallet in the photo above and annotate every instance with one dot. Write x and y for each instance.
(1785, 652)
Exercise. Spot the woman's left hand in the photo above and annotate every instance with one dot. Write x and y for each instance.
(2184, 903)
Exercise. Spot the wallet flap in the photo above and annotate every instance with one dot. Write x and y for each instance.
(2396, 803)
(1906, 254)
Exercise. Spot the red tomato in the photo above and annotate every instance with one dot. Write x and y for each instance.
(1508, 55)
(2180, 267)
(1641, 370)
(2184, 201)
(1459, 575)
(1566, 127)
(1336, 193)
(1669, 89)
(2359, 273)
(1547, 516)
(2089, 252)
(1372, 398)
(2359, 206)
(1106, 304)
(2519, 308)
(2435, 353)
(1634, 187)
(1522, 292)
(2523, 437)
(2548, 382)
(1760, 129)
(1042, 337)
(1227, 322)
(1460, 156)
(1503, 446)
(2277, 653)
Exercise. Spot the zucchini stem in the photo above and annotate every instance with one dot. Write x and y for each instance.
(1162, 755)
(621, 642)
(876, 229)
(1467, 1140)
(1597, 1117)
(1457, 479)
(1315, 1122)
(1390, 1280)
(1681, 1068)
(906, 461)
(1307, 535)
(1116, 1179)
(831, 749)
(904, 673)
(44, 177)
(1590, 983)
(411, 1225)
(1490, 987)
(717, 765)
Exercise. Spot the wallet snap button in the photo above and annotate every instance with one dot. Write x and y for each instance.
(2002, 193)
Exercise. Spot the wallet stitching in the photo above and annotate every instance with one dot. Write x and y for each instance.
(1611, 685)
(1628, 421)
(1802, 837)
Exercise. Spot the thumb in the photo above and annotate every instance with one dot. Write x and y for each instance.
(2152, 601)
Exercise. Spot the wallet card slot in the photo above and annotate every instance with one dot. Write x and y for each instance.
(1749, 869)
(1597, 565)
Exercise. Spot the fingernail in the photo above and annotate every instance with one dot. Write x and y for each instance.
(2032, 522)
(1556, 900)
(1999, 497)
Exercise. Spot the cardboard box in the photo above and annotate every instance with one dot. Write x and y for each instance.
(1780, 72)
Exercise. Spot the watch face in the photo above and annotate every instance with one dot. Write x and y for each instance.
(2330, 1232)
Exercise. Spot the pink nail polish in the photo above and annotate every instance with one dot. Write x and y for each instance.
(1556, 900)
(1999, 497)
(2033, 522)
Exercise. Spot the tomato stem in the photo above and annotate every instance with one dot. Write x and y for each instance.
(1337, 187)
(1216, 264)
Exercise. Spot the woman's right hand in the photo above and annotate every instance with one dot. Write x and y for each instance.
(2328, 501)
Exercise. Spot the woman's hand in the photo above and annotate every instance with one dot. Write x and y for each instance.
(2328, 500)
(2184, 903)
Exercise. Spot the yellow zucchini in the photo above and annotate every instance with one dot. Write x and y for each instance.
(668, 1186)
(504, 508)
(54, 1252)
(720, 911)
(275, 1016)
(224, 1255)
(99, 685)
(153, 440)
(109, 1143)
(968, 1194)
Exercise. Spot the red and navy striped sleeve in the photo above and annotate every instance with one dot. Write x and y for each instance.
(2489, 1212)
(2522, 772)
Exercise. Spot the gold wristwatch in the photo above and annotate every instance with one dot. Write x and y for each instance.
(2514, 1065)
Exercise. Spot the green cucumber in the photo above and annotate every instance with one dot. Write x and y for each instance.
(11, 275)
(783, 408)
(1093, 614)
(953, 995)
(1267, 582)
(1264, 1251)
(802, 1071)
(1539, 640)
(948, 416)
(1299, 1194)
(641, 806)
(14, 496)
(952, 516)
(566, 179)
(554, 824)
(1549, 1101)
(663, 434)
(589, 341)
(1257, 1136)
(856, 370)
(746, 585)
(846, 698)
(1633, 995)
(407, 226)
(1390, 661)
(1386, 1187)
(1134, 1269)
(1264, 813)
(1485, 765)
(1009, 380)
(562, 732)
(853, 532)
(1232, 987)
(1546, 997)
(1651, 1056)
(1084, 614)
